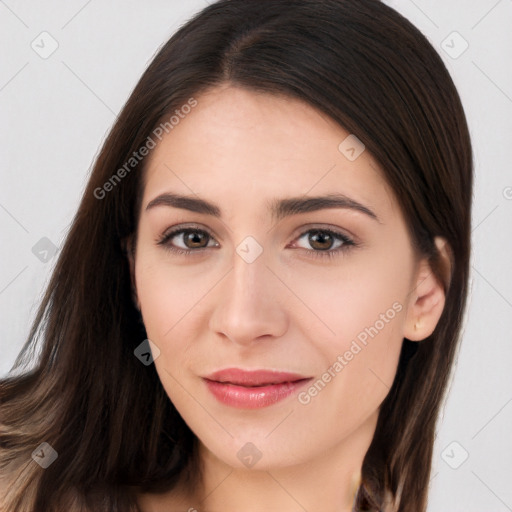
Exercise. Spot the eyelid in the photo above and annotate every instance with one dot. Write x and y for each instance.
(298, 232)
(184, 226)
(347, 240)
(327, 227)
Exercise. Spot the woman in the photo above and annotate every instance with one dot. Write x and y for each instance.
(258, 303)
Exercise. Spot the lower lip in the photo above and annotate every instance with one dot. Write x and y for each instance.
(253, 397)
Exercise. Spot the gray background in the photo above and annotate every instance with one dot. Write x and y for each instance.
(56, 111)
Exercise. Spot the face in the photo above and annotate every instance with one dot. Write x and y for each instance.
(313, 289)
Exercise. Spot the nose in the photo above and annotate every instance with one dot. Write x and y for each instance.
(248, 304)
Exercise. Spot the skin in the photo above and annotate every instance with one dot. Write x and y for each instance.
(287, 310)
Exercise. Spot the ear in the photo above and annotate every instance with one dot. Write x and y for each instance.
(129, 249)
(428, 296)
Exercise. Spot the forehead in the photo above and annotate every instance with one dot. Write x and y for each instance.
(237, 144)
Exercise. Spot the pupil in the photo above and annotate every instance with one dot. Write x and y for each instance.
(322, 236)
(194, 238)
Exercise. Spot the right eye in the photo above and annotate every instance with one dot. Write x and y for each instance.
(192, 240)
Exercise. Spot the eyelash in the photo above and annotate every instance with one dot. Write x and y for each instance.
(328, 253)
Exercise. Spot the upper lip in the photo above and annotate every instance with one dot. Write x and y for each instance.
(253, 377)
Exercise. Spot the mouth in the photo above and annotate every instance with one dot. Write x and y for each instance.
(253, 389)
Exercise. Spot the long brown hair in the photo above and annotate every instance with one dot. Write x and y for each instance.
(106, 414)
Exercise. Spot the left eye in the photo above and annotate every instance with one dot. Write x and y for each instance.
(325, 239)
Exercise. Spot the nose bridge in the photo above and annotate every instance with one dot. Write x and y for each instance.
(250, 275)
(248, 306)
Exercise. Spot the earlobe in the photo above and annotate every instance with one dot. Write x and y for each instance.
(429, 296)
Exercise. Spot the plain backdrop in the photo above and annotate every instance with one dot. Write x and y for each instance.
(56, 108)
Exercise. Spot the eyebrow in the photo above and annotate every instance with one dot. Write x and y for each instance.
(279, 208)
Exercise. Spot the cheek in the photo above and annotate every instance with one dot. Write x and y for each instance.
(362, 311)
(172, 300)
(157, 300)
(363, 291)
(359, 363)
(164, 308)
(167, 292)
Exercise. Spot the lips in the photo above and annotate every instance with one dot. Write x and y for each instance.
(253, 389)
